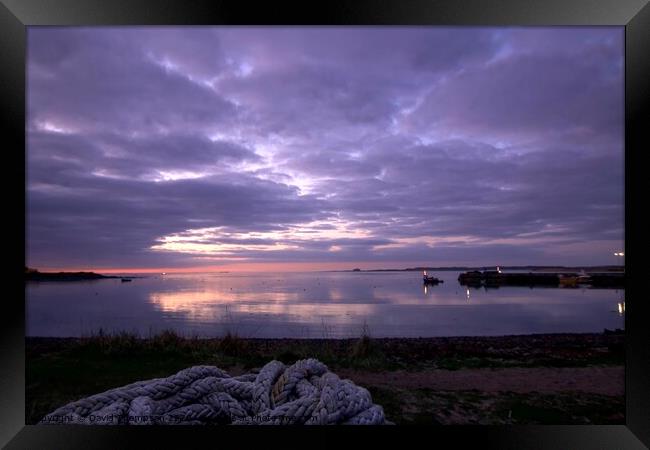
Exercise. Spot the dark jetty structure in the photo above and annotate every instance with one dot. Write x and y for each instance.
(608, 280)
(496, 278)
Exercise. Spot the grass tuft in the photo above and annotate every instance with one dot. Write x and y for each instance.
(365, 353)
(363, 347)
(168, 340)
(232, 345)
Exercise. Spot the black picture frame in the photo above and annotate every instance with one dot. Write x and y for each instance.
(634, 15)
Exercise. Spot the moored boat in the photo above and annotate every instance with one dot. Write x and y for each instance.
(426, 279)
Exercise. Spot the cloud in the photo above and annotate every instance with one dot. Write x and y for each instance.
(533, 94)
(173, 147)
(107, 80)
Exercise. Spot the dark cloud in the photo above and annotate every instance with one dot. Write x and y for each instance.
(533, 93)
(164, 147)
(106, 80)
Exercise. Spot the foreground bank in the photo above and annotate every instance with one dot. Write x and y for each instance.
(559, 378)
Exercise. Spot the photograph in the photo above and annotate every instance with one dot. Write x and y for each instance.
(325, 225)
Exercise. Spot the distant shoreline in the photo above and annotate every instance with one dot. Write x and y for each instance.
(35, 275)
(468, 268)
(65, 276)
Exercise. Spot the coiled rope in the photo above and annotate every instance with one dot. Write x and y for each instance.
(303, 393)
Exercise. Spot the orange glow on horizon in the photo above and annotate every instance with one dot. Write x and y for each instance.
(242, 267)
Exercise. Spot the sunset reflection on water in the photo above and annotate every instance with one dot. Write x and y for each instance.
(315, 304)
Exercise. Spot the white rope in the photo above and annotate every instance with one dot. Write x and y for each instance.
(303, 393)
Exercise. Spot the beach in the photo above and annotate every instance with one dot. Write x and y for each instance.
(520, 379)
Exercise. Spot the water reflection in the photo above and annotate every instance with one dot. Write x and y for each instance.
(217, 304)
(313, 305)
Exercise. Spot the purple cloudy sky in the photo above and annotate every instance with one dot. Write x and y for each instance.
(185, 147)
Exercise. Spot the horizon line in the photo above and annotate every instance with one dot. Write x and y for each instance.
(294, 267)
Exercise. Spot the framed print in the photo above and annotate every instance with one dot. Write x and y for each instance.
(411, 216)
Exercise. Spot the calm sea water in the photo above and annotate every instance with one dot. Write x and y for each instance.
(313, 305)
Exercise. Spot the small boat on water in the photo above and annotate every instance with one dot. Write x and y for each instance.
(125, 280)
(430, 280)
